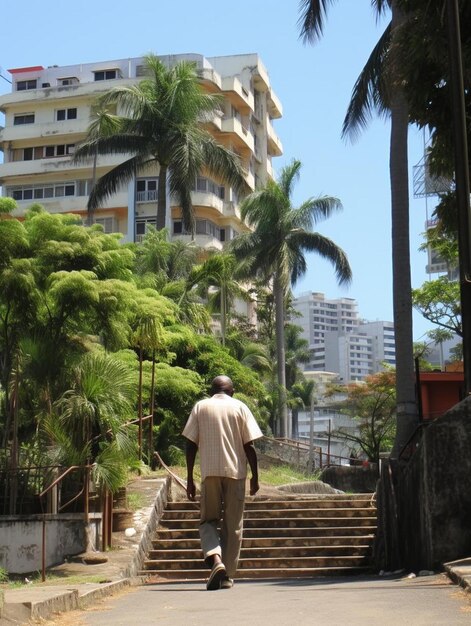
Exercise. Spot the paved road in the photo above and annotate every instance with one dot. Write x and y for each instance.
(427, 601)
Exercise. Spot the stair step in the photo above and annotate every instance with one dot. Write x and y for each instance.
(284, 522)
(252, 533)
(281, 563)
(265, 552)
(181, 515)
(344, 502)
(298, 572)
(267, 542)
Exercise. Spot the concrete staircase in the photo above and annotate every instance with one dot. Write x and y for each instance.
(304, 536)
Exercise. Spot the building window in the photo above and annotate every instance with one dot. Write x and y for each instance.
(141, 228)
(66, 82)
(60, 150)
(23, 118)
(23, 85)
(40, 191)
(66, 114)
(207, 185)
(106, 75)
(108, 223)
(146, 190)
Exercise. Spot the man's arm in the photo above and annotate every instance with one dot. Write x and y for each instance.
(253, 464)
(191, 450)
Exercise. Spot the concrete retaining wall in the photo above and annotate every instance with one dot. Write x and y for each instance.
(425, 505)
(352, 479)
(21, 540)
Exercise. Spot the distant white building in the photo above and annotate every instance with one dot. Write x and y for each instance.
(326, 420)
(340, 341)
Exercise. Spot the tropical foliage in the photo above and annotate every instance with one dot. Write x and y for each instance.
(90, 341)
(372, 404)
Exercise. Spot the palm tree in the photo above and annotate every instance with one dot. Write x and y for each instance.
(275, 249)
(162, 123)
(90, 421)
(218, 277)
(377, 89)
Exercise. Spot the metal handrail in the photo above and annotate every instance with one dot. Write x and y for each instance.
(86, 507)
(176, 478)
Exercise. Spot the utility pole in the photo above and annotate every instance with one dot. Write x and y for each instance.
(462, 180)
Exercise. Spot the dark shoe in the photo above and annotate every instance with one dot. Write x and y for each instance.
(227, 583)
(218, 574)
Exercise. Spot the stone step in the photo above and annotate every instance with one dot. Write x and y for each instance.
(163, 576)
(343, 502)
(283, 563)
(170, 516)
(186, 543)
(265, 552)
(252, 533)
(283, 522)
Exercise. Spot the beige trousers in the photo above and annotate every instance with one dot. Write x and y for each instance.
(222, 502)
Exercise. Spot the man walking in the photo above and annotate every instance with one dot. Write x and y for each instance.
(223, 429)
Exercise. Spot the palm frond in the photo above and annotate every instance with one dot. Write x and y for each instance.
(312, 18)
(370, 92)
(110, 182)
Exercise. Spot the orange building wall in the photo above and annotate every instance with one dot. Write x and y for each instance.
(439, 392)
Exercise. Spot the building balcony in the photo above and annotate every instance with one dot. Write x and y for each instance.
(203, 241)
(231, 209)
(243, 137)
(53, 165)
(60, 92)
(207, 199)
(274, 145)
(238, 94)
(275, 110)
(43, 130)
(146, 196)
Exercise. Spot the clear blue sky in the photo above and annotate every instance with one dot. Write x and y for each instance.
(314, 84)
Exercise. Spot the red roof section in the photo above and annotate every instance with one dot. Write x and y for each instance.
(19, 70)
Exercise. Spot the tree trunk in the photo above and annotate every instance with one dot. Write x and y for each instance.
(407, 416)
(282, 429)
(223, 315)
(162, 198)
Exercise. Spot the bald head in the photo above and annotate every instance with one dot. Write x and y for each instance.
(222, 384)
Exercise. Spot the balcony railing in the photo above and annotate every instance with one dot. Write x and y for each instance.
(146, 196)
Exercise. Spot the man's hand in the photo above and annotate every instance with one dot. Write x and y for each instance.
(254, 486)
(190, 489)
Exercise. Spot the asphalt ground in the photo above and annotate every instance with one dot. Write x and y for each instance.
(421, 601)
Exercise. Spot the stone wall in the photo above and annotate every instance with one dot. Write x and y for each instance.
(353, 479)
(145, 542)
(425, 505)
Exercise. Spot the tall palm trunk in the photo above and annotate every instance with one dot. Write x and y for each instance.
(407, 416)
(282, 427)
(161, 217)
(223, 315)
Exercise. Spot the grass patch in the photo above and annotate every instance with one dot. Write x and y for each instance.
(135, 500)
(283, 474)
(273, 475)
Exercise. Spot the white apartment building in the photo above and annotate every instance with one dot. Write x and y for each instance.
(341, 342)
(48, 113)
